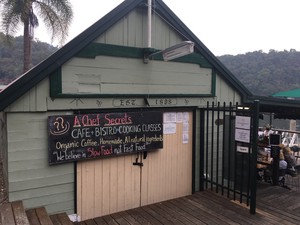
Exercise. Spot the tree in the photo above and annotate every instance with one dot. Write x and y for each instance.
(56, 15)
(11, 56)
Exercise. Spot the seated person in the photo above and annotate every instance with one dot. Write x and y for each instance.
(282, 169)
(295, 149)
(268, 131)
(263, 154)
(290, 159)
(282, 163)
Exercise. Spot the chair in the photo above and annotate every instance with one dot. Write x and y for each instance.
(296, 152)
(292, 179)
(268, 176)
(281, 179)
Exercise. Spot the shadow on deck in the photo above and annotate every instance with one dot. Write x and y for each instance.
(275, 205)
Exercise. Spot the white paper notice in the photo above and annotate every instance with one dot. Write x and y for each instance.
(169, 128)
(185, 127)
(242, 135)
(179, 117)
(185, 138)
(243, 122)
(242, 149)
(185, 117)
(170, 117)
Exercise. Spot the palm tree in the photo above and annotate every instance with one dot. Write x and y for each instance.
(56, 15)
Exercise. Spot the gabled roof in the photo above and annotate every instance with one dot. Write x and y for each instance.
(29, 79)
(281, 108)
(295, 93)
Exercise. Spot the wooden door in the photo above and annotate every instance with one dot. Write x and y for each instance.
(106, 186)
(114, 184)
(167, 173)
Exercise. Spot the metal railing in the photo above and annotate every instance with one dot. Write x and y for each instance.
(223, 169)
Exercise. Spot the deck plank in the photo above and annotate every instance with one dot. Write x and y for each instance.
(145, 214)
(119, 218)
(19, 213)
(205, 214)
(167, 214)
(32, 217)
(174, 213)
(109, 220)
(139, 218)
(100, 221)
(7, 216)
(186, 216)
(129, 218)
(286, 205)
(55, 220)
(60, 219)
(154, 212)
(80, 223)
(43, 216)
(90, 222)
(226, 211)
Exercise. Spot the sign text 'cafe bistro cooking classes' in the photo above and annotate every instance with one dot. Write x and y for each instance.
(87, 136)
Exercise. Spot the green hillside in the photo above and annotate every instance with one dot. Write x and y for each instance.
(262, 73)
(266, 73)
(11, 56)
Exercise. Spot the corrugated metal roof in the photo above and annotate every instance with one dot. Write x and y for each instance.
(295, 93)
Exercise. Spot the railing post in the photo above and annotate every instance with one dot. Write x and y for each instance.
(202, 133)
(254, 157)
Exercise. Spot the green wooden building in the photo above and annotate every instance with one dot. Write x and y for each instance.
(102, 72)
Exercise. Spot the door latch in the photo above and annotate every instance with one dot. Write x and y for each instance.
(137, 163)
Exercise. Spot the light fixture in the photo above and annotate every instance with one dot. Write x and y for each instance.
(179, 50)
(243, 107)
(174, 52)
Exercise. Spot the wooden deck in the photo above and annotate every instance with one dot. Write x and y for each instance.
(275, 205)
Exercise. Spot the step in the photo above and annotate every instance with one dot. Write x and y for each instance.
(13, 214)
(61, 219)
(39, 216)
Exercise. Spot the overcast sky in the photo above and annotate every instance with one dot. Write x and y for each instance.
(224, 26)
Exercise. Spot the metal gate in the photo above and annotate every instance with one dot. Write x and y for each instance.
(227, 150)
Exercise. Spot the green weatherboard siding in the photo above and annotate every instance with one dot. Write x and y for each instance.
(99, 49)
(55, 83)
(95, 49)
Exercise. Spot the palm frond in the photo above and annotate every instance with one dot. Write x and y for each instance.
(10, 22)
(56, 15)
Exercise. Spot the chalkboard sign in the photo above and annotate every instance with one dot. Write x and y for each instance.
(87, 136)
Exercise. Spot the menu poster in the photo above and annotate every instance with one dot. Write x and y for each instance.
(86, 136)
